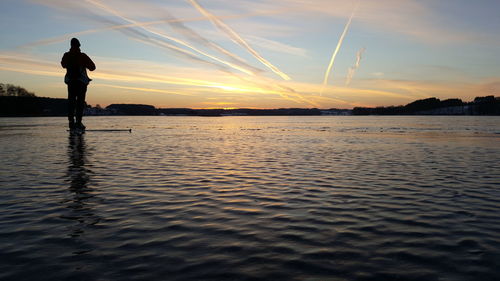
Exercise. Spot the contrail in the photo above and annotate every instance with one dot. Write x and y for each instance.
(104, 7)
(353, 69)
(237, 38)
(196, 37)
(285, 92)
(144, 38)
(65, 37)
(339, 44)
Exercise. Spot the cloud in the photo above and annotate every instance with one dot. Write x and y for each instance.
(377, 74)
(276, 46)
(144, 89)
(418, 20)
(153, 74)
(352, 69)
(185, 81)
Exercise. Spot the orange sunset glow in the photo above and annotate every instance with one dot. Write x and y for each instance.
(264, 54)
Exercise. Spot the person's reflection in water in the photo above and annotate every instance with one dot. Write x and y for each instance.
(79, 204)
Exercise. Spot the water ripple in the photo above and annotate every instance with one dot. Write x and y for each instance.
(251, 198)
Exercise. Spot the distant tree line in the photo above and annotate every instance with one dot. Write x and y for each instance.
(488, 105)
(240, 111)
(14, 106)
(132, 109)
(14, 91)
(142, 109)
(17, 101)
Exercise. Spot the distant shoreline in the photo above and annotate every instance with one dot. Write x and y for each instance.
(32, 106)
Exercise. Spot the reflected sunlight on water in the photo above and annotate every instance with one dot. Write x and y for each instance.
(238, 198)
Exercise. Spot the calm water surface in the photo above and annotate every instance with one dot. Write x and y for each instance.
(251, 198)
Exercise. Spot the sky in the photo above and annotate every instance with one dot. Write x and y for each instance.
(257, 53)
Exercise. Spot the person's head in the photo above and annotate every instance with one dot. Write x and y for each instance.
(75, 43)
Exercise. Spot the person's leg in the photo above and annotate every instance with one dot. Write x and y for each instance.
(80, 104)
(72, 93)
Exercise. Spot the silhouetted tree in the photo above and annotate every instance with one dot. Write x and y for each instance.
(452, 102)
(425, 104)
(488, 105)
(14, 91)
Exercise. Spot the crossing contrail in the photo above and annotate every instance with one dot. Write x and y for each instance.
(170, 20)
(353, 69)
(339, 44)
(196, 37)
(237, 38)
(178, 41)
(65, 37)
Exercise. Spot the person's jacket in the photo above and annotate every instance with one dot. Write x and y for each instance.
(76, 64)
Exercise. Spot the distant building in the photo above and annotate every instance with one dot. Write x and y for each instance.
(132, 109)
(97, 111)
(336, 112)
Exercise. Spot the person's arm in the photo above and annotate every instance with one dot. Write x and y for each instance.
(64, 60)
(89, 63)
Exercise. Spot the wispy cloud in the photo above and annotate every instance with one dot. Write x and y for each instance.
(108, 72)
(352, 69)
(145, 89)
(369, 92)
(276, 46)
(414, 19)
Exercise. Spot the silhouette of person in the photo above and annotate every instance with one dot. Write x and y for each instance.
(76, 64)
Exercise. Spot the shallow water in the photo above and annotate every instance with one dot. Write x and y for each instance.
(249, 198)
